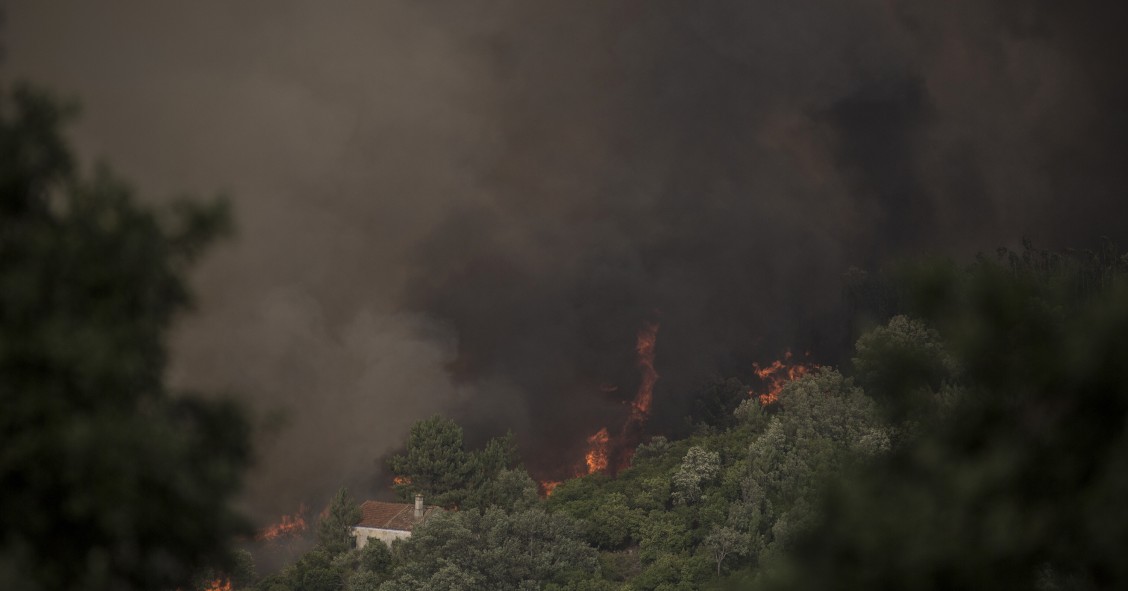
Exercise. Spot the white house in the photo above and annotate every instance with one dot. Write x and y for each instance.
(389, 521)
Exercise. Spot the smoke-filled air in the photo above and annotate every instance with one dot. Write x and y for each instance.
(568, 220)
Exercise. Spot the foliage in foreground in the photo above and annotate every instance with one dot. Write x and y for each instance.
(107, 479)
(1020, 481)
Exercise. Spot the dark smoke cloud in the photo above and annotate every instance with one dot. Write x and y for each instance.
(723, 162)
(472, 207)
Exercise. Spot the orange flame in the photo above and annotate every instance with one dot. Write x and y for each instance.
(777, 375)
(647, 337)
(602, 448)
(547, 486)
(219, 585)
(401, 481)
(290, 526)
(613, 453)
(596, 456)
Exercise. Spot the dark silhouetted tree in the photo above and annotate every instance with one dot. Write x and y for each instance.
(107, 479)
(1021, 483)
(334, 529)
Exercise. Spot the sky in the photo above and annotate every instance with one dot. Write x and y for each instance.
(472, 207)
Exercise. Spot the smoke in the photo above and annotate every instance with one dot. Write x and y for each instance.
(719, 164)
(473, 207)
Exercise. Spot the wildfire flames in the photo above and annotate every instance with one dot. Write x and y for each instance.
(547, 486)
(609, 453)
(290, 526)
(606, 452)
(777, 375)
(401, 481)
(219, 585)
(597, 451)
(647, 338)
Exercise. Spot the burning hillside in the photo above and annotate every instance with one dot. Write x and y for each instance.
(289, 526)
(219, 585)
(777, 374)
(607, 453)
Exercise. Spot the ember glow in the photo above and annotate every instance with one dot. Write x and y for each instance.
(598, 447)
(647, 338)
(547, 486)
(289, 526)
(401, 481)
(219, 585)
(778, 374)
(606, 453)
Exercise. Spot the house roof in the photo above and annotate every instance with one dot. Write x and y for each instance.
(381, 515)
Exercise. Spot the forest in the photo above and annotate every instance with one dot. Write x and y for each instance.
(976, 439)
(973, 438)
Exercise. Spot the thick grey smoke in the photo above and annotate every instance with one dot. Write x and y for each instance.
(722, 163)
(472, 206)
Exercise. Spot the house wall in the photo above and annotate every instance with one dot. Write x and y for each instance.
(363, 534)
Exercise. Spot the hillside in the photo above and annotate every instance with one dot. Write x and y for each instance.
(978, 441)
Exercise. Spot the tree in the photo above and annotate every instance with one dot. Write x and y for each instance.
(714, 404)
(437, 464)
(723, 541)
(697, 467)
(334, 529)
(315, 571)
(662, 533)
(823, 417)
(510, 490)
(672, 572)
(492, 550)
(1021, 483)
(500, 453)
(108, 480)
(240, 574)
(376, 558)
(612, 523)
(364, 580)
(905, 367)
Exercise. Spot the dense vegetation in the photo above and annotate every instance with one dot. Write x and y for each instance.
(977, 438)
(108, 480)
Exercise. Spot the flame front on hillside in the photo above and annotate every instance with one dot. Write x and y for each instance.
(289, 526)
(596, 456)
(778, 374)
(606, 453)
(547, 486)
(647, 339)
(219, 585)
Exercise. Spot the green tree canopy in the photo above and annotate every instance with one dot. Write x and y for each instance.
(903, 365)
(1021, 484)
(107, 479)
(435, 462)
(334, 528)
(491, 550)
(714, 403)
(437, 465)
(697, 466)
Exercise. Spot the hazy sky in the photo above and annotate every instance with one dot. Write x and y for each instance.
(471, 207)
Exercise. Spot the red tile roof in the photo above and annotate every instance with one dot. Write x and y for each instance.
(381, 515)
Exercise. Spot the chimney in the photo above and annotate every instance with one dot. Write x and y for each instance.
(418, 507)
